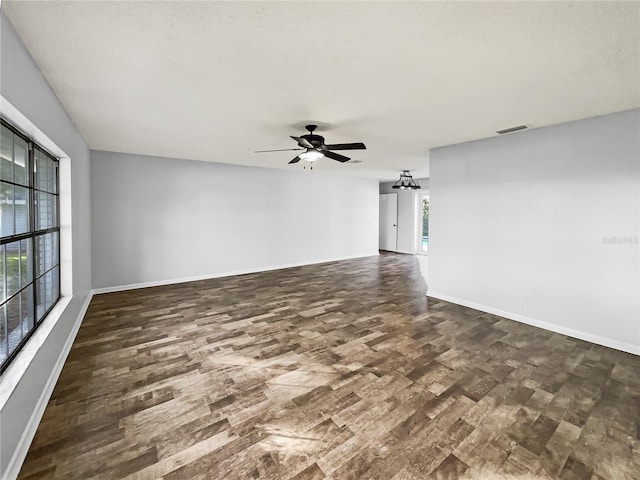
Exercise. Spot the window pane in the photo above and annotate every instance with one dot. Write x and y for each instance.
(6, 210)
(46, 170)
(45, 292)
(47, 252)
(3, 334)
(6, 154)
(26, 259)
(26, 300)
(3, 287)
(40, 297)
(14, 327)
(55, 285)
(12, 267)
(45, 210)
(20, 155)
(20, 209)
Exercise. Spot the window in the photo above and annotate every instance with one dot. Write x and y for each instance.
(30, 238)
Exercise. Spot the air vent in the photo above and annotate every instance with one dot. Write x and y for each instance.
(512, 129)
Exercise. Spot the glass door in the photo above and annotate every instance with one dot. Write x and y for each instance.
(423, 244)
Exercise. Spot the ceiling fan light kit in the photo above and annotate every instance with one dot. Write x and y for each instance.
(406, 182)
(311, 155)
(315, 148)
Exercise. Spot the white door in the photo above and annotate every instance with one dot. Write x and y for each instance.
(388, 222)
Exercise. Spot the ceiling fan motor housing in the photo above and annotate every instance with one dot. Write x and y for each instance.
(315, 140)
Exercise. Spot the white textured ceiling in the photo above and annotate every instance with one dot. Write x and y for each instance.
(217, 80)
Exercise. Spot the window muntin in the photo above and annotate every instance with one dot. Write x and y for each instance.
(29, 239)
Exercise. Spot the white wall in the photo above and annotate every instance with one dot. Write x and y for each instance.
(26, 385)
(542, 226)
(158, 219)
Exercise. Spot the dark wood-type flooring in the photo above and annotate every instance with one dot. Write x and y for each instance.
(342, 370)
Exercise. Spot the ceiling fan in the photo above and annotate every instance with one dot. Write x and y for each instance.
(315, 148)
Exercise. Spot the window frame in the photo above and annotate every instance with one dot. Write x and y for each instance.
(32, 234)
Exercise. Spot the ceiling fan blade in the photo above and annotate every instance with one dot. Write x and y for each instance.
(347, 146)
(283, 150)
(303, 142)
(335, 156)
(295, 160)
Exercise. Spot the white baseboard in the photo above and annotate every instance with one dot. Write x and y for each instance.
(20, 453)
(588, 337)
(133, 286)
